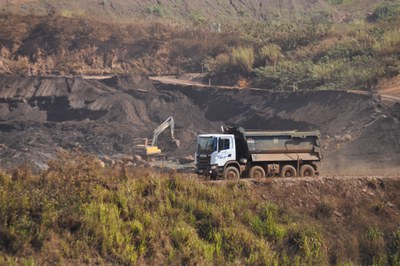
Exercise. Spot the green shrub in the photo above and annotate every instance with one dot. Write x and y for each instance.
(242, 59)
(308, 244)
(218, 65)
(286, 75)
(238, 242)
(266, 223)
(372, 247)
(107, 232)
(197, 18)
(335, 2)
(393, 248)
(385, 11)
(270, 53)
(156, 10)
(189, 246)
(389, 44)
(346, 50)
(299, 33)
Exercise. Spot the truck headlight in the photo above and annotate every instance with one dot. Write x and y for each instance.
(213, 167)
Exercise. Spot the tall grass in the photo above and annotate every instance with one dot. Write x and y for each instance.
(76, 212)
(93, 215)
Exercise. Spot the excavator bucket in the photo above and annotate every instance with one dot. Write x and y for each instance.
(176, 142)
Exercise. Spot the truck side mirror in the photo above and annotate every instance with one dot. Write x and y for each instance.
(317, 143)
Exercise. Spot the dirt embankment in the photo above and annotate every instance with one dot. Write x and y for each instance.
(346, 208)
(38, 115)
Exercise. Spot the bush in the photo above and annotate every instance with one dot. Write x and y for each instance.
(218, 65)
(270, 54)
(285, 76)
(372, 247)
(265, 224)
(156, 10)
(393, 248)
(335, 2)
(324, 209)
(345, 50)
(308, 245)
(242, 59)
(231, 67)
(389, 44)
(385, 11)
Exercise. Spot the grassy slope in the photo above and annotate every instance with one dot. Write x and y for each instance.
(215, 10)
(75, 213)
(309, 52)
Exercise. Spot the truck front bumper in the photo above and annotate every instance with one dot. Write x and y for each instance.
(211, 170)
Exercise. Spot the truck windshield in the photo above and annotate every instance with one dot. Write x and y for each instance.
(206, 145)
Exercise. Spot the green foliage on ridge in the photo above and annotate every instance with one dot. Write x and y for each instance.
(316, 54)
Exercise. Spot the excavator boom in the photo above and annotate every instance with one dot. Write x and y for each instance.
(169, 122)
(145, 149)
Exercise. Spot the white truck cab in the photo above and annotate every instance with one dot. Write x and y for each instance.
(214, 153)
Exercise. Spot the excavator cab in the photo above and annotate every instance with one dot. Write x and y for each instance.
(142, 146)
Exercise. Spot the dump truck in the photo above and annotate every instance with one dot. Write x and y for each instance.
(238, 153)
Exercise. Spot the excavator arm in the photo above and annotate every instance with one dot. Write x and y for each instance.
(169, 122)
(145, 149)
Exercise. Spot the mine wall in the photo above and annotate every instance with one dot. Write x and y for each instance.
(40, 115)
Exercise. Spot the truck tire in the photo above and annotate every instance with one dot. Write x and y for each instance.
(231, 172)
(257, 172)
(288, 171)
(307, 170)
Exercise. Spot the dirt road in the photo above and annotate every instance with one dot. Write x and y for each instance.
(173, 80)
(390, 98)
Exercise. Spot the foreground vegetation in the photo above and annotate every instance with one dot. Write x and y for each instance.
(77, 213)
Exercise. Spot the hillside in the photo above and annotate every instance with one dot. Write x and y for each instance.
(319, 50)
(81, 80)
(199, 11)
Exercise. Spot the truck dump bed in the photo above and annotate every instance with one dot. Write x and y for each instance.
(283, 145)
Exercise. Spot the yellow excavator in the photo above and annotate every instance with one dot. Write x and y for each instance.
(142, 147)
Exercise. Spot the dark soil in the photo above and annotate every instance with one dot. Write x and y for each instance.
(40, 115)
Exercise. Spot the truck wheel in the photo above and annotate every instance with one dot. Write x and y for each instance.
(307, 170)
(257, 172)
(231, 172)
(288, 171)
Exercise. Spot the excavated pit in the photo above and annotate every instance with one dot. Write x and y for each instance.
(40, 115)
